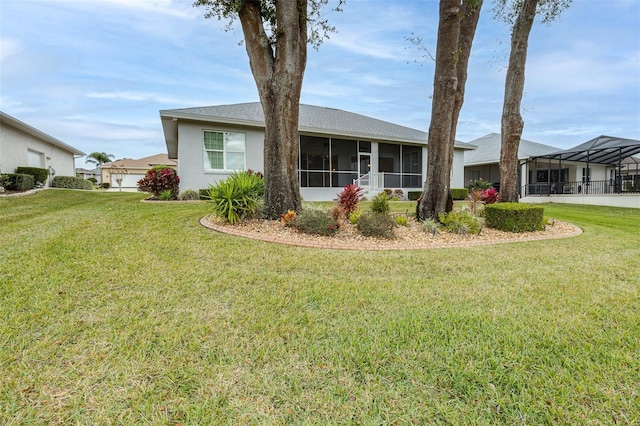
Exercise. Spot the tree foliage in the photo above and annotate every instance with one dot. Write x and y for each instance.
(98, 158)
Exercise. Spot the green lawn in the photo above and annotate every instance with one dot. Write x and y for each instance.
(114, 311)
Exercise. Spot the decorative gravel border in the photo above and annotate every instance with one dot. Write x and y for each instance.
(371, 244)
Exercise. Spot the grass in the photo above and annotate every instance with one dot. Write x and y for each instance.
(114, 311)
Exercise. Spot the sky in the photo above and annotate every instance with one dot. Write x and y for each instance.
(95, 73)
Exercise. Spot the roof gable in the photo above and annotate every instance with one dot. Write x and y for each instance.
(488, 149)
(38, 134)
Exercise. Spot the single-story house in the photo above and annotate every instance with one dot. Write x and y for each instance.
(86, 173)
(336, 148)
(484, 161)
(600, 171)
(131, 170)
(24, 146)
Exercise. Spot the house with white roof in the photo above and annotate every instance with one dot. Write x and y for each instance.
(22, 145)
(336, 148)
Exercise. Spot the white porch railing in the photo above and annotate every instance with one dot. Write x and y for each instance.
(370, 181)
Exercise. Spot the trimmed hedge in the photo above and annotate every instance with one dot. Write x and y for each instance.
(413, 195)
(459, 193)
(514, 217)
(71, 182)
(20, 182)
(39, 175)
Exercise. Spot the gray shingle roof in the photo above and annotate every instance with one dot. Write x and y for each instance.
(488, 150)
(313, 119)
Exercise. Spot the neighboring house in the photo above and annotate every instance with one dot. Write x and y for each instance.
(484, 161)
(598, 171)
(131, 171)
(336, 148)
(602, 166)
(24, 146)
(86, 174)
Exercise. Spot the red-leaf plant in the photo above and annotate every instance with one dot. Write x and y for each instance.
(349, 198)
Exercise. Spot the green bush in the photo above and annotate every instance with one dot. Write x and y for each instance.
(379, 225)
(71, 182)
(238, 197)
(460, 222)
(402, 220)
(380, 203)
(431, 226)
(514, 217)
(93, 180)
(39, 175)
(105, 185)
(478, 184)
(166, 195)
(19, 182)
(204, 194)
(316, 221)
(189, 195)
(414, 195)
(459, 193)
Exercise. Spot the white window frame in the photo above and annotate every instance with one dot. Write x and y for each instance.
(225, 151)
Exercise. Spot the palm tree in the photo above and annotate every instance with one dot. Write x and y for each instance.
(99, 158)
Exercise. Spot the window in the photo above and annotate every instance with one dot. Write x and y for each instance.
(224, 150)
(35, 159)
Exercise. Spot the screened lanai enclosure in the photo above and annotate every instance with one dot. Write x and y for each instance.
(601, 166)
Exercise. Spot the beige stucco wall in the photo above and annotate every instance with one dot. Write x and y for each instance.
(15, 145)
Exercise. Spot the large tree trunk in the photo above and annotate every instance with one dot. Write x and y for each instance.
(512, 123)
(278, 73)
(456, 29)
(468, 25)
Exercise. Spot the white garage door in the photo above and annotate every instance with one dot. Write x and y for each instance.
(128, 181)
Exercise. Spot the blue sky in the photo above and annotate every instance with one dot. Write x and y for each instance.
(94, 74)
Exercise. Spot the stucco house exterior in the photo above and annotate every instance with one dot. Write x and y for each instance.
(601, 171)
(132, 170)
(484, 161)
(22, 145)
(336, 147)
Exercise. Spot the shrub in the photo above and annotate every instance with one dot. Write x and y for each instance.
(460, 222)
(159, 179)
(414, 195)
(431, 226)
(398, 193)
(238, 197)
(389, 192)
(204, 194)
(478, 184)
(514, 217)
(19, 182)
(349, 198)
(459, 193)
(93, 180)
(402, 220)
(166, 195)
(355, 216)
(288, 218)
(490, 196)
(71, 182)
(40, 175)
(379, 225)
(106, 185)
(316, 221)
(475, 197)
(189, 195)
(380, 203)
